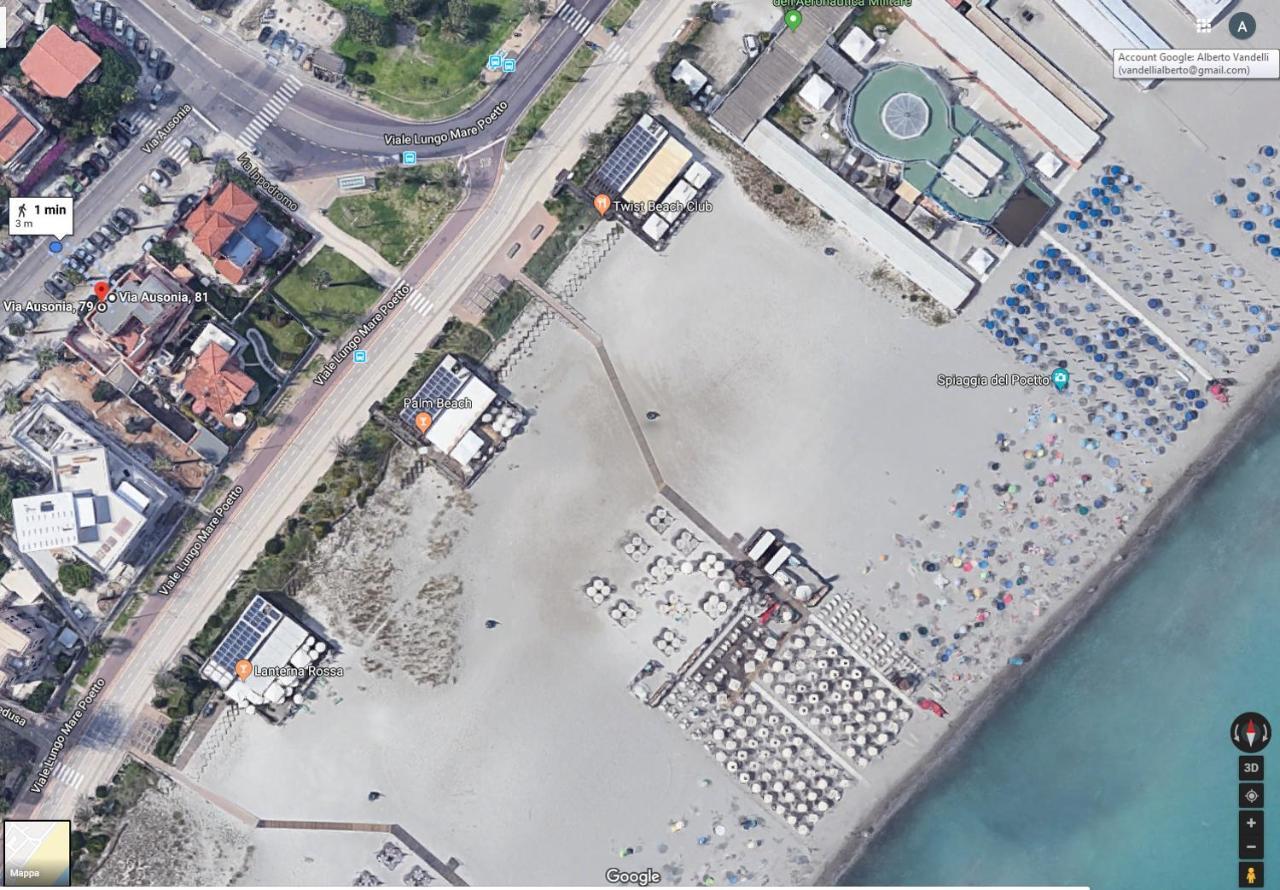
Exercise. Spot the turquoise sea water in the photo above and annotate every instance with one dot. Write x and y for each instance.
(1111, 766)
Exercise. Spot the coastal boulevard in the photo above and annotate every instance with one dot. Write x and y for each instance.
(321, 129)
(281, 471)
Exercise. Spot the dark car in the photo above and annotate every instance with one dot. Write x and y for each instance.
(164, 71)
(24, 241)
(170, 166)
(89, 170)
(278, 41)
(127, 215)
(128, 126)
(13, 248)
(99, 160)
(60, 280)
(100, 241)
(118, 138)
(52, 289)
(182, 207)
(265, 34)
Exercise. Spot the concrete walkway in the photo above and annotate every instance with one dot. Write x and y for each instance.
(578, 322)
(447, 870)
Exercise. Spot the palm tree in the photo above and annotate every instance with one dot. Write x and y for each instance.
(635, 103)
(598, 143)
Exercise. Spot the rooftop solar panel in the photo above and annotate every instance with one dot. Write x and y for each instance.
(630, 155)
(246, 633)
(442, 384)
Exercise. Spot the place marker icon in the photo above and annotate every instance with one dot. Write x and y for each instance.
(603, 202)
(422, 421)
(793, 18)
(1060, 377)
(244, 667)
(100, 290)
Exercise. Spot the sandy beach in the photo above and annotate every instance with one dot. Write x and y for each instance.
(795, 389)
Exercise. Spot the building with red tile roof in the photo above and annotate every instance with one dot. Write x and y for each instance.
(57, 63)
(216, 383)
(18, 130)
(228, 229)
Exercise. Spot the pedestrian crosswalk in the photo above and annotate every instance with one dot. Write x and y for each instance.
(616, 52)
(418, 303)
(142, 119)
(270, 111)
(575, 19)
(67, 776)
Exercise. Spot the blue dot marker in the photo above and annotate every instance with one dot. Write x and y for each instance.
(1060, 378)
(55, 246)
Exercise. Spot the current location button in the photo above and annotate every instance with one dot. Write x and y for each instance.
(1250, 732)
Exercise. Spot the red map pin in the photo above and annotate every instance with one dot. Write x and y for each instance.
(100, 290)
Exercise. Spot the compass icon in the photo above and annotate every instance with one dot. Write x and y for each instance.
(1250, 732)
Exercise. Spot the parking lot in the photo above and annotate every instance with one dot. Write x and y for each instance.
(113, 219)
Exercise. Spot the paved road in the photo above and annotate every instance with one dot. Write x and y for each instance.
(317, 129)
(287, 466)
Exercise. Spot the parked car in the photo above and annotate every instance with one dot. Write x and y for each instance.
(161, 177)
(144, 190)
(52, 289)
(24, 241)
(81, 178)
(187, 142)
(298, 51)
(272, 59)
(170, 166)
(108, 15)
(150, 243)
(182, 207)
(157, 93)
(128, 126)
(119, 226)
(290, 41)
(99, 160)
(60, 280)
(109, 233)
(89, 170)
(74, 265)
(106, 149)
(98, 9)
(84, 253)
(14, 249)
(62, 191)
(130, 33)
(265, 34)
(155, 56)
(118, 137)
(100, 241)
(141, 45)
(164, 70)
(119, 28)
(126, 214)
(74, 184)
(278, 41)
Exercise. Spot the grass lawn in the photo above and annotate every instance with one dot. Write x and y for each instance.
(409, 205)
(286, 339)
(618, 14)
(794, 118)
(551, 97)
(330, 292)
(436, 75)
(505, 310)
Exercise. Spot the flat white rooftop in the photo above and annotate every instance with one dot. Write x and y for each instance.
(1043, 112)
(1113, 25)
(931, 271)
(1209, 10)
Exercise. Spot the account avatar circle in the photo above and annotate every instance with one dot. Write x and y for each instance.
(1250, 732)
